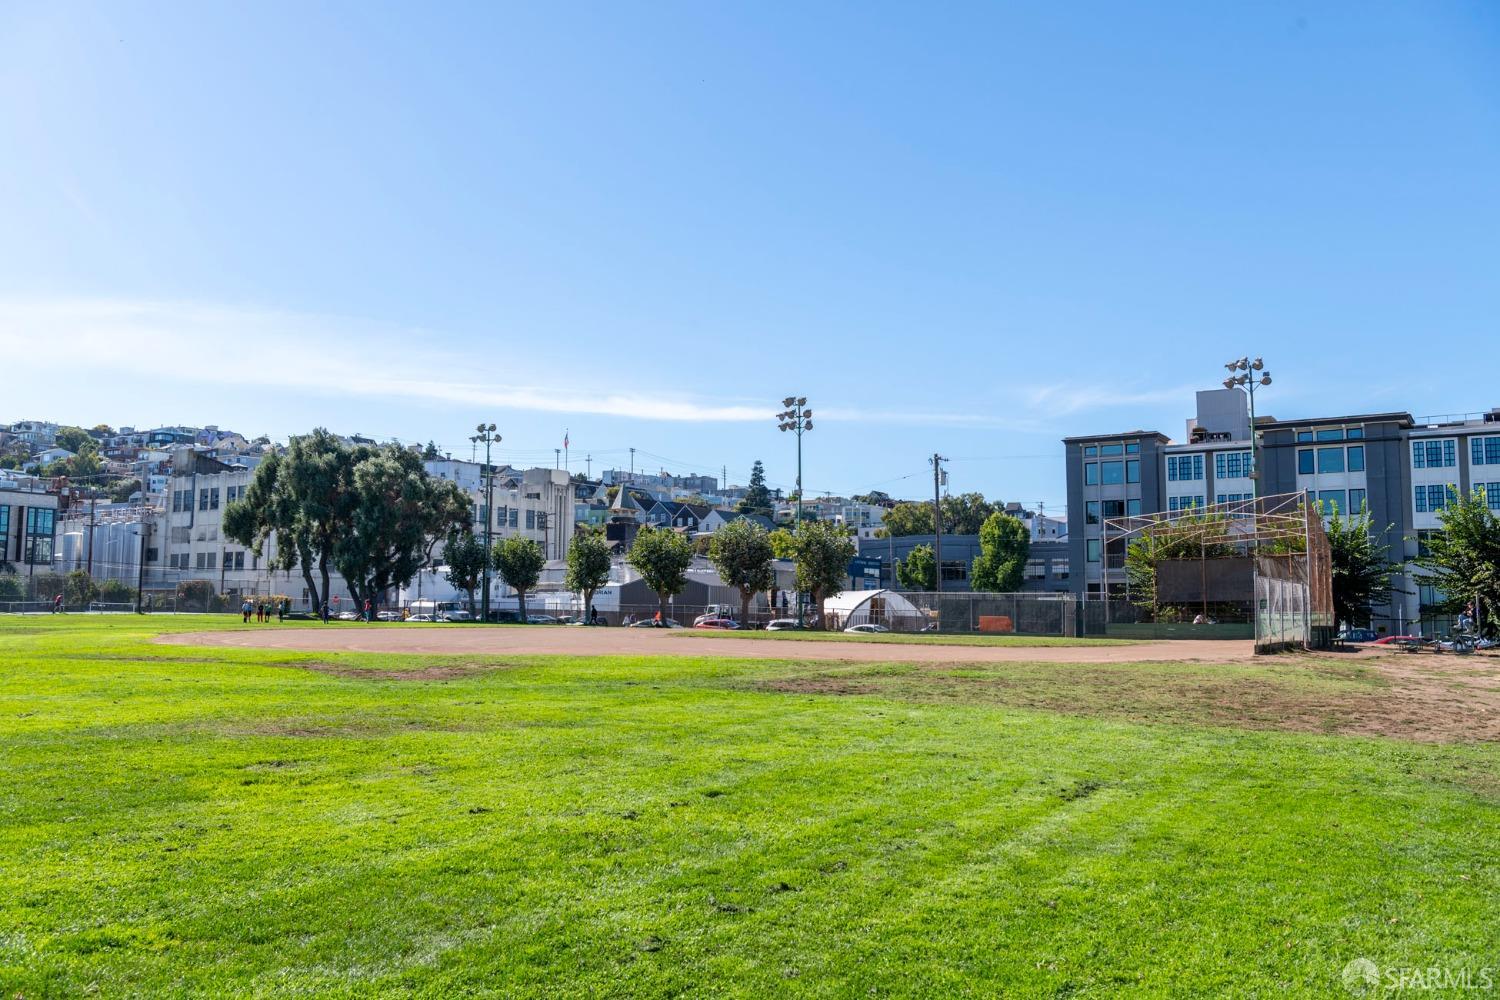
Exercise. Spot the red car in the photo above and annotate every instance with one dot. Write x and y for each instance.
(1386, 640)
(724, 623)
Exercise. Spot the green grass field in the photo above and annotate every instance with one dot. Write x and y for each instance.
(214, 822)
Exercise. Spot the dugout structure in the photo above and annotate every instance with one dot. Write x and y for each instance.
(1266, 557)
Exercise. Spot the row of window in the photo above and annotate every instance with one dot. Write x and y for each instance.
(1332, 502)
(1232, 464)
(1427, 499)
(1326, 460)
(1112, 473)
(1105, 450)
(1183, 503)
(1331, 434)
(1111, 508)
(1484, 451)
(1184, 467)
(233, 560)
(1434, 454)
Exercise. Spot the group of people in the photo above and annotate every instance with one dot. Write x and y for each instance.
(263, 610)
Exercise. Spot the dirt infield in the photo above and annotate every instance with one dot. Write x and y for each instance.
(563, 641)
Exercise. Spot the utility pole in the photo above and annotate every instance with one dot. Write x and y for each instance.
(632, 465)
(486, 433)
(589, 465)
(140, 578)
(797, 418)
(937, 520)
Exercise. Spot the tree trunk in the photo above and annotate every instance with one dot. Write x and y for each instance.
(323, 569)
(745, 608)
(661, 598)
(521, 599)
(312, 586)
(822, 617)
(588, 605)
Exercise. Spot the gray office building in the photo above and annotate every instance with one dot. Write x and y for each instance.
(1404, 469)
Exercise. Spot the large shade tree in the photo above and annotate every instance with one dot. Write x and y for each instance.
(1004, 544)
(467, 558)
(1463, 559)
(963, 514)
(394, 512)
(588, 568)
(519, 562)
(741, 552)
(299, 498)
(1361, 566)
(823, 554)
(662, 557)
(918, 571)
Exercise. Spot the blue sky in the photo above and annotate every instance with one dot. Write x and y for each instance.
(969, 229)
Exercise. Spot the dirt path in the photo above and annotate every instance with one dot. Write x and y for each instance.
(561, 640)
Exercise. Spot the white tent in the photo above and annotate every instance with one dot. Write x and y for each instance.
(880, 607)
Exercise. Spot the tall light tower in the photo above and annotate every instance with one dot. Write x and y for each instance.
(486, 434)
(796, 418)
(1251, 375)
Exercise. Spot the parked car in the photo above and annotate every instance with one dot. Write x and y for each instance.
(1359, 635)
(540, 620)
(421, 618)
(868, 628)
(652, 623)
(388, 616)
(717, 623)
(455, 616)
(783, 625)
(348, 616)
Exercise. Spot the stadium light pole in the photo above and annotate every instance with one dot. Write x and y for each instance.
(1252, 374)
(796, 418)
(486, 433)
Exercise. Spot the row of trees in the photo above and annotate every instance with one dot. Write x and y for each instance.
(372, 513)
(519, 561)
(1000, 567)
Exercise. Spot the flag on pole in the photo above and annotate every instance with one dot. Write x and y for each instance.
(565, 438)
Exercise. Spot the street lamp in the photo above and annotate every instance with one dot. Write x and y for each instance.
(796, 418)
(1252, 374)
(486, 434)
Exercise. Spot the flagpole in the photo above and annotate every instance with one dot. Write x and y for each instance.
(566, 469)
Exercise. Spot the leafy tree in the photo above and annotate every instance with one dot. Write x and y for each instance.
(1361, 569)
(79, 591)
(964, 514)
(75, 439)
(783, 544)
(102, 430)
(430, 452)
(121, 491)
(116, 592)
(1004, 543)
(301, 497)
(519, 561)
(823, 554)
(1193, 536)
(392, 512)
(1463, 560)
(467, 558)
(741, 552)
(757, 497)
(11, 587)
(46, 586)
(918, 571)
(662, 557)
(588, 568)
(195, 595)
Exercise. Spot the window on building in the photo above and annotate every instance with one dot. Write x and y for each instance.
(4, 529)
(530, 520)
(198, 560)
(1492, 495)
(1424, 537)
(1184, 467)
(1132, 447)
(1354, 432)
(213, 560)
(1112, 473)
(955, 570)
(1091, 550)
(1356, 454)
(1484, 450)
(1132, 470)
(1092, 451)
(1132, 508)
(1330, 460)
(1091, 511)
(1434, 454)
(1183, 503)
(213, 498)
(1114, 508)
(203, 499)
(1356, 501)
(1305, 462)
(515, 515)
(36, 546)
(1304, 436)
(1059, 569)
(1036, 569)
(1331, 434)
(1111, 449)
(1333, 502)
(1091, 474)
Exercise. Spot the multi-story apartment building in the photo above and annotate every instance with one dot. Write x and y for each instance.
(1403, 470)
(534, 503)
(28, 523)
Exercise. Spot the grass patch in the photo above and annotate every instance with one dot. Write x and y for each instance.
(223, 822)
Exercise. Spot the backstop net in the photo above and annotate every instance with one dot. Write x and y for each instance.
(1262, 560)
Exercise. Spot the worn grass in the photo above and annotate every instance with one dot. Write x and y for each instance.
(220, 822)
(903, 638)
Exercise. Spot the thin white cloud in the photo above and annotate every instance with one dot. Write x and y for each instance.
(1061, 399)
(311, 354)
